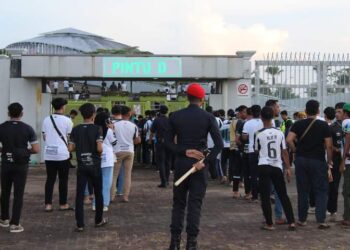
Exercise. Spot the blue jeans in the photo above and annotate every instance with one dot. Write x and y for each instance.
(311, 174)
(107, 178)
(120, 181)
(278, 204)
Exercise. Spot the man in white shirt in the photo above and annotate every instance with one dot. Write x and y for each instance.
(65, 86)
(56, 129)
(271, 146)
(127, 135)
(55, 87)
(249, 130)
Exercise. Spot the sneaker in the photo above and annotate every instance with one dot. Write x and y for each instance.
(311, 210)
(302, 223)
(16, 229)
(323, 226)
(333, 217)
(4, 223)
(105, 209)
(267, 227)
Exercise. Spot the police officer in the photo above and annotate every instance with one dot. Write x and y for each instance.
(15, 137)
(163, 158)
(190, 126)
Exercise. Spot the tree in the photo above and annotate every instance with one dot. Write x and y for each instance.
(124, 51)
(285, 93)
(339, 80)
(273, 71)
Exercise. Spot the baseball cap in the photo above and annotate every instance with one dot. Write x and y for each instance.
(196, 90)
(346, 107)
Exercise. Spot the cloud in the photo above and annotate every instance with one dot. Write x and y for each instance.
(187, 26)
(190, 28)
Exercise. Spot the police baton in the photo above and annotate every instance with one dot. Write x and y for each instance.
(191, 171)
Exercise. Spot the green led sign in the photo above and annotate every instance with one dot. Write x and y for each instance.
(142, 67)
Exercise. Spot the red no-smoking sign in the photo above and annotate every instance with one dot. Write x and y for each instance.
(242, 89)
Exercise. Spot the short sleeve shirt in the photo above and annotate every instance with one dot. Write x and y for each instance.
(250, 128)
(125, 132)
(337, 134)
(55, 148)
(270, 143)
(85, 138)
(312, 145)
(15, 135)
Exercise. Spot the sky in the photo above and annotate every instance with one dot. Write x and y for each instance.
(189, 26)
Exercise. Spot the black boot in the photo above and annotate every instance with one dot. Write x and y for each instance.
(175, 242)
(191, 242)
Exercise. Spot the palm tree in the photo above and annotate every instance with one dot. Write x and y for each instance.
(273, 71)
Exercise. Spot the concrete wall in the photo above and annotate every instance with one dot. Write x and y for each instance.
(35, 104)
(27, 92)
(224, 67)
(4, 87)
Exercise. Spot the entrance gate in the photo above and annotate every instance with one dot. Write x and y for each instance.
(294, 79)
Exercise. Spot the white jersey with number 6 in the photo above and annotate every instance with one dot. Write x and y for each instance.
(270, 142)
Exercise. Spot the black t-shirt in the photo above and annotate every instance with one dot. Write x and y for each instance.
(239, 132)
(312, 145)
(160, 126)
(85, 138)
(15, 135)
(337, 134)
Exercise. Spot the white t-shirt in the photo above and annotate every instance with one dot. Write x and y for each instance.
(107, 156)
(125, 132)
(65, 84)
(270, 142)
(147, 127)
(250, 128)
(210, 141)
(55, 148)
(55, 85)
(124, 87)
(225, 134)
(346, 130)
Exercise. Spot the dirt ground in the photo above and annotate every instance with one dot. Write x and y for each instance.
(144, 222)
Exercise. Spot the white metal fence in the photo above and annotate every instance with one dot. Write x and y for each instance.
(295, 78)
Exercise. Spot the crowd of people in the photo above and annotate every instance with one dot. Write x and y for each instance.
(250, 147)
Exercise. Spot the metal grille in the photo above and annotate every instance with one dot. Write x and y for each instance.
(295, 78)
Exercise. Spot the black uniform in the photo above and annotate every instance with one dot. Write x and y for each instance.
(14, 136)
(163, 157)
(191, 126)
(337, 137)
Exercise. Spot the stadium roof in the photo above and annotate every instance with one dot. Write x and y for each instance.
(71, 39)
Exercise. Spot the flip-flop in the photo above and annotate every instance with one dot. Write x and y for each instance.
(66, 209)
(102, 223)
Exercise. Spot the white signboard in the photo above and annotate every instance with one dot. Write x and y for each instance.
(243, 89)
